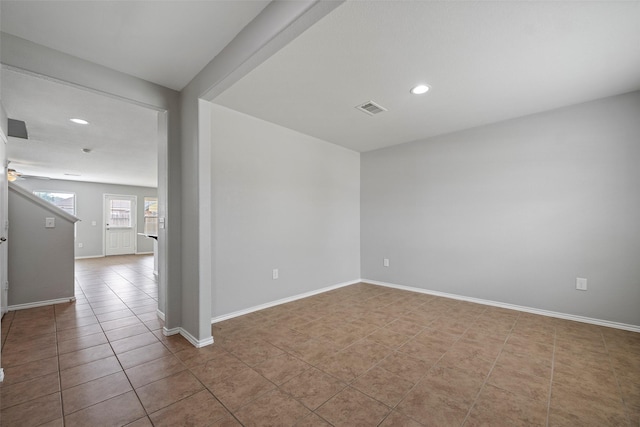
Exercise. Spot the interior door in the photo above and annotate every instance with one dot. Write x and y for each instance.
(120, 224)
(4, 226)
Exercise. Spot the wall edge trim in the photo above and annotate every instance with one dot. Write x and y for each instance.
(281, 301)
(40, 303)
(547, 313)
(1, 375)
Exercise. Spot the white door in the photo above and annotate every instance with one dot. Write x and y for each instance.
(120, 224)
(4, 225)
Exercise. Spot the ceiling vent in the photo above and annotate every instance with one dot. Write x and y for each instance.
(371, 108)
(18, 129)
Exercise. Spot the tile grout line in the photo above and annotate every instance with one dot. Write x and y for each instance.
(434, 364)
(114, 354)
(53, 310)
(118, 359)
(553, 366)
(393, 350)
(615, 375)
(495, 361)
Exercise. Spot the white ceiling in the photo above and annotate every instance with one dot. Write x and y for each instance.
(165, 42)
(122, 136)
(486, 61)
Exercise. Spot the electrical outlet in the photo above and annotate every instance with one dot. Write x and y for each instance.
(80, 245)
(581, 284)
(385, 262)
(275, 273)
(50, 223)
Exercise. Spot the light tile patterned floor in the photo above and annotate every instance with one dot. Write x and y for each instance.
(362, 355)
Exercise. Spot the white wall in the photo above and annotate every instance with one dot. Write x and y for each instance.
(277, 24)
(514, 212)
(282, 200)
(41, 259)
(89, 207)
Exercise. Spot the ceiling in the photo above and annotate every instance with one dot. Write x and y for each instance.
(165, 42)
(122, 136)
(485, 61)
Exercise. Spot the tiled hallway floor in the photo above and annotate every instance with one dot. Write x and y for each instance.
(362, 355)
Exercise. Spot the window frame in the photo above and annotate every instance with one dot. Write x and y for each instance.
(146, 229)
(75, 199)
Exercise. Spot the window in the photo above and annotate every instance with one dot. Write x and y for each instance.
(65, 201)
(120, 213)
(151, 215)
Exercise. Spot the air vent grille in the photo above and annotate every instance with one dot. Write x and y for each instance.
(371, 108)
(17, 129)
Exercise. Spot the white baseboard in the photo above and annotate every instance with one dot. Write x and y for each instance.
(193, 340)
(144, 253)
(41, 303)
(89, 256)
(160, 314)
(168, 332)
(1, 375)
(280, 301)
(576, 318)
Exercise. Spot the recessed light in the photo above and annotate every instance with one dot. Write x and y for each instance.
(420, 89)
(79, 121)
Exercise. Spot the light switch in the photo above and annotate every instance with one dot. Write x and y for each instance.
(49, 222)
(581, 284)
(161, 223)
(93, 223)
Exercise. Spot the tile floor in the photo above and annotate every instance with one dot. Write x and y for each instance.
(362, 355)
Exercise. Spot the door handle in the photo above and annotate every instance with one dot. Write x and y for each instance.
(3, 239)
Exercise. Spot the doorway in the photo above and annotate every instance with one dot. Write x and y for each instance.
(120, 224)
(28, 95)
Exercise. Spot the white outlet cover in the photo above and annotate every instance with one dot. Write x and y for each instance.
(50, 222)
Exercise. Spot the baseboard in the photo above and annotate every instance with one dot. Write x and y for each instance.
(89, 257)
(1, 375)
(144, 253)
(193, 340)
(168, 332)
(41, 303)
(281, 301)
(160, 314)
(565, 316)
